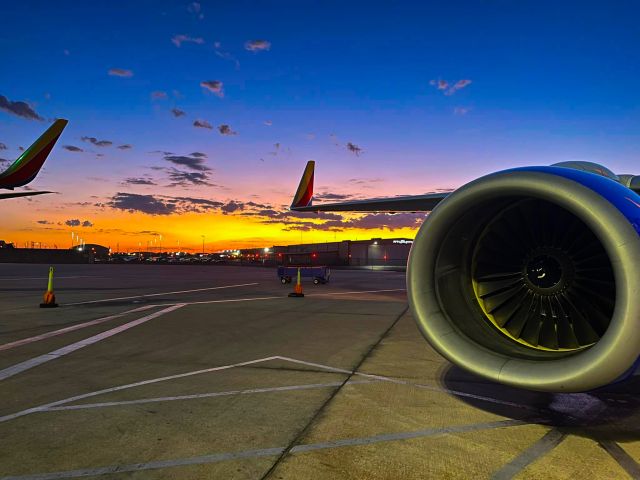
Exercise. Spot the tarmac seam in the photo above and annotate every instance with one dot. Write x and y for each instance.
(265, 452)
(541, 447)
(622, 457)
(325, 404)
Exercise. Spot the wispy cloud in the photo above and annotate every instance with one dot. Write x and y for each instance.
(202, 124)
(353, 148)
(196, 9)
(217, 48)
(461, 110)
(450, 89)
(257, 45)
(189, 161)
(158, 95)
(226, 130)
(178, 40)
(161, 204)
(138, 181)
(72, 148)
(214, 86)
(2, 146)
(176, 112)
(18, 108)
(126, 146)
(120, 72)
(181, 178)
(96, 142)
(75, 222)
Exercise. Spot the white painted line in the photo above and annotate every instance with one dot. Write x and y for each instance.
(47, 357)
(253, 299)
(37, 338)
(161, 294)
(286, 388)
(129, 385)
(44, 278)
(264, 452)
(356, 292)
(417, 385)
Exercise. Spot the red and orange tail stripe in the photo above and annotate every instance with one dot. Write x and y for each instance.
(27, 166)
(304, 193)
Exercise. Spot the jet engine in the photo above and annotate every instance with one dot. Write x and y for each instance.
(529, 277)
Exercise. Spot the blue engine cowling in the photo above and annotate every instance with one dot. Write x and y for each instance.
(529, 277)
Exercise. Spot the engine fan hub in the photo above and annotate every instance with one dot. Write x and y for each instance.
(548, 271)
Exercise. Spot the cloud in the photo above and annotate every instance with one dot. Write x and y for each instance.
(177, 112)
(158, 95)
(450, 89)
(120, 72)
(19, 109)
(178, 40)
(71, 148)
(73, 223)
(461, 110)
(191, 162)
(353, 148)
(214, 86)
(225, 55)
(2, 146)
(126, 146)
(202, 124)
(180, 178)
(257, 45)
(138, 181)
(87, 223)
(231, 207)
(196, 9)
(226, 130)
(332, 196)
(133, 202)
(45, 222)
(161, 204)
(96, 142)
(198, 154)
(268, 123)
(66, 52)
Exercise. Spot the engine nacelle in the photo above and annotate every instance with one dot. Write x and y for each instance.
(529, 277)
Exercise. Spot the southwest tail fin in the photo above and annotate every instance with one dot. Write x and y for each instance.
(304, 193)
(27, 166)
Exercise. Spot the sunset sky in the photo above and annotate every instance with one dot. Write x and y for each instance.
(191, 119)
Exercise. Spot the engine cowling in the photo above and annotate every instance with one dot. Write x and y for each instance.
(529, 277)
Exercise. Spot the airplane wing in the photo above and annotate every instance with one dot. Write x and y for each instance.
(414, 203)
(20, 194)
(27, 166)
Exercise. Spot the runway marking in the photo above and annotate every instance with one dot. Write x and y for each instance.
(417, 385)
(540, 448)
(37, 338)
(44, 278)
(622, 457)
(47, 357)
(161, 294)
(253, 299)
(286, 388)
(129, 385)
(265, 452)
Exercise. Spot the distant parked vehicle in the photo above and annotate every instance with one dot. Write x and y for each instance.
(318, 274)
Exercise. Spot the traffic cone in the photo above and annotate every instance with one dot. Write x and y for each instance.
(49, 297)
(297, 290)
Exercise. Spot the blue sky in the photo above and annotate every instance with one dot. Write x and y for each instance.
(542, 82)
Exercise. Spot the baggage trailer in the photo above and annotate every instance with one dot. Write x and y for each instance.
(319, 274)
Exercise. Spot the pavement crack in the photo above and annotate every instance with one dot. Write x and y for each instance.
(301, 434)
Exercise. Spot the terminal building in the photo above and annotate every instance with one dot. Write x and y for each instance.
(373, 252)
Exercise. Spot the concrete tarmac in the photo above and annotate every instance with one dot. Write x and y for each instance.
(192, 372)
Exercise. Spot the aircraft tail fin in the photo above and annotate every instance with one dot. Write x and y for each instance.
(304, 193)
(27, 166)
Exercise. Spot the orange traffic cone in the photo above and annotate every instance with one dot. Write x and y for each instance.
(49, 297)
(297, 290)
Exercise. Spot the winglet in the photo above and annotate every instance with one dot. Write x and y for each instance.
(304, 193)
(27, 166)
